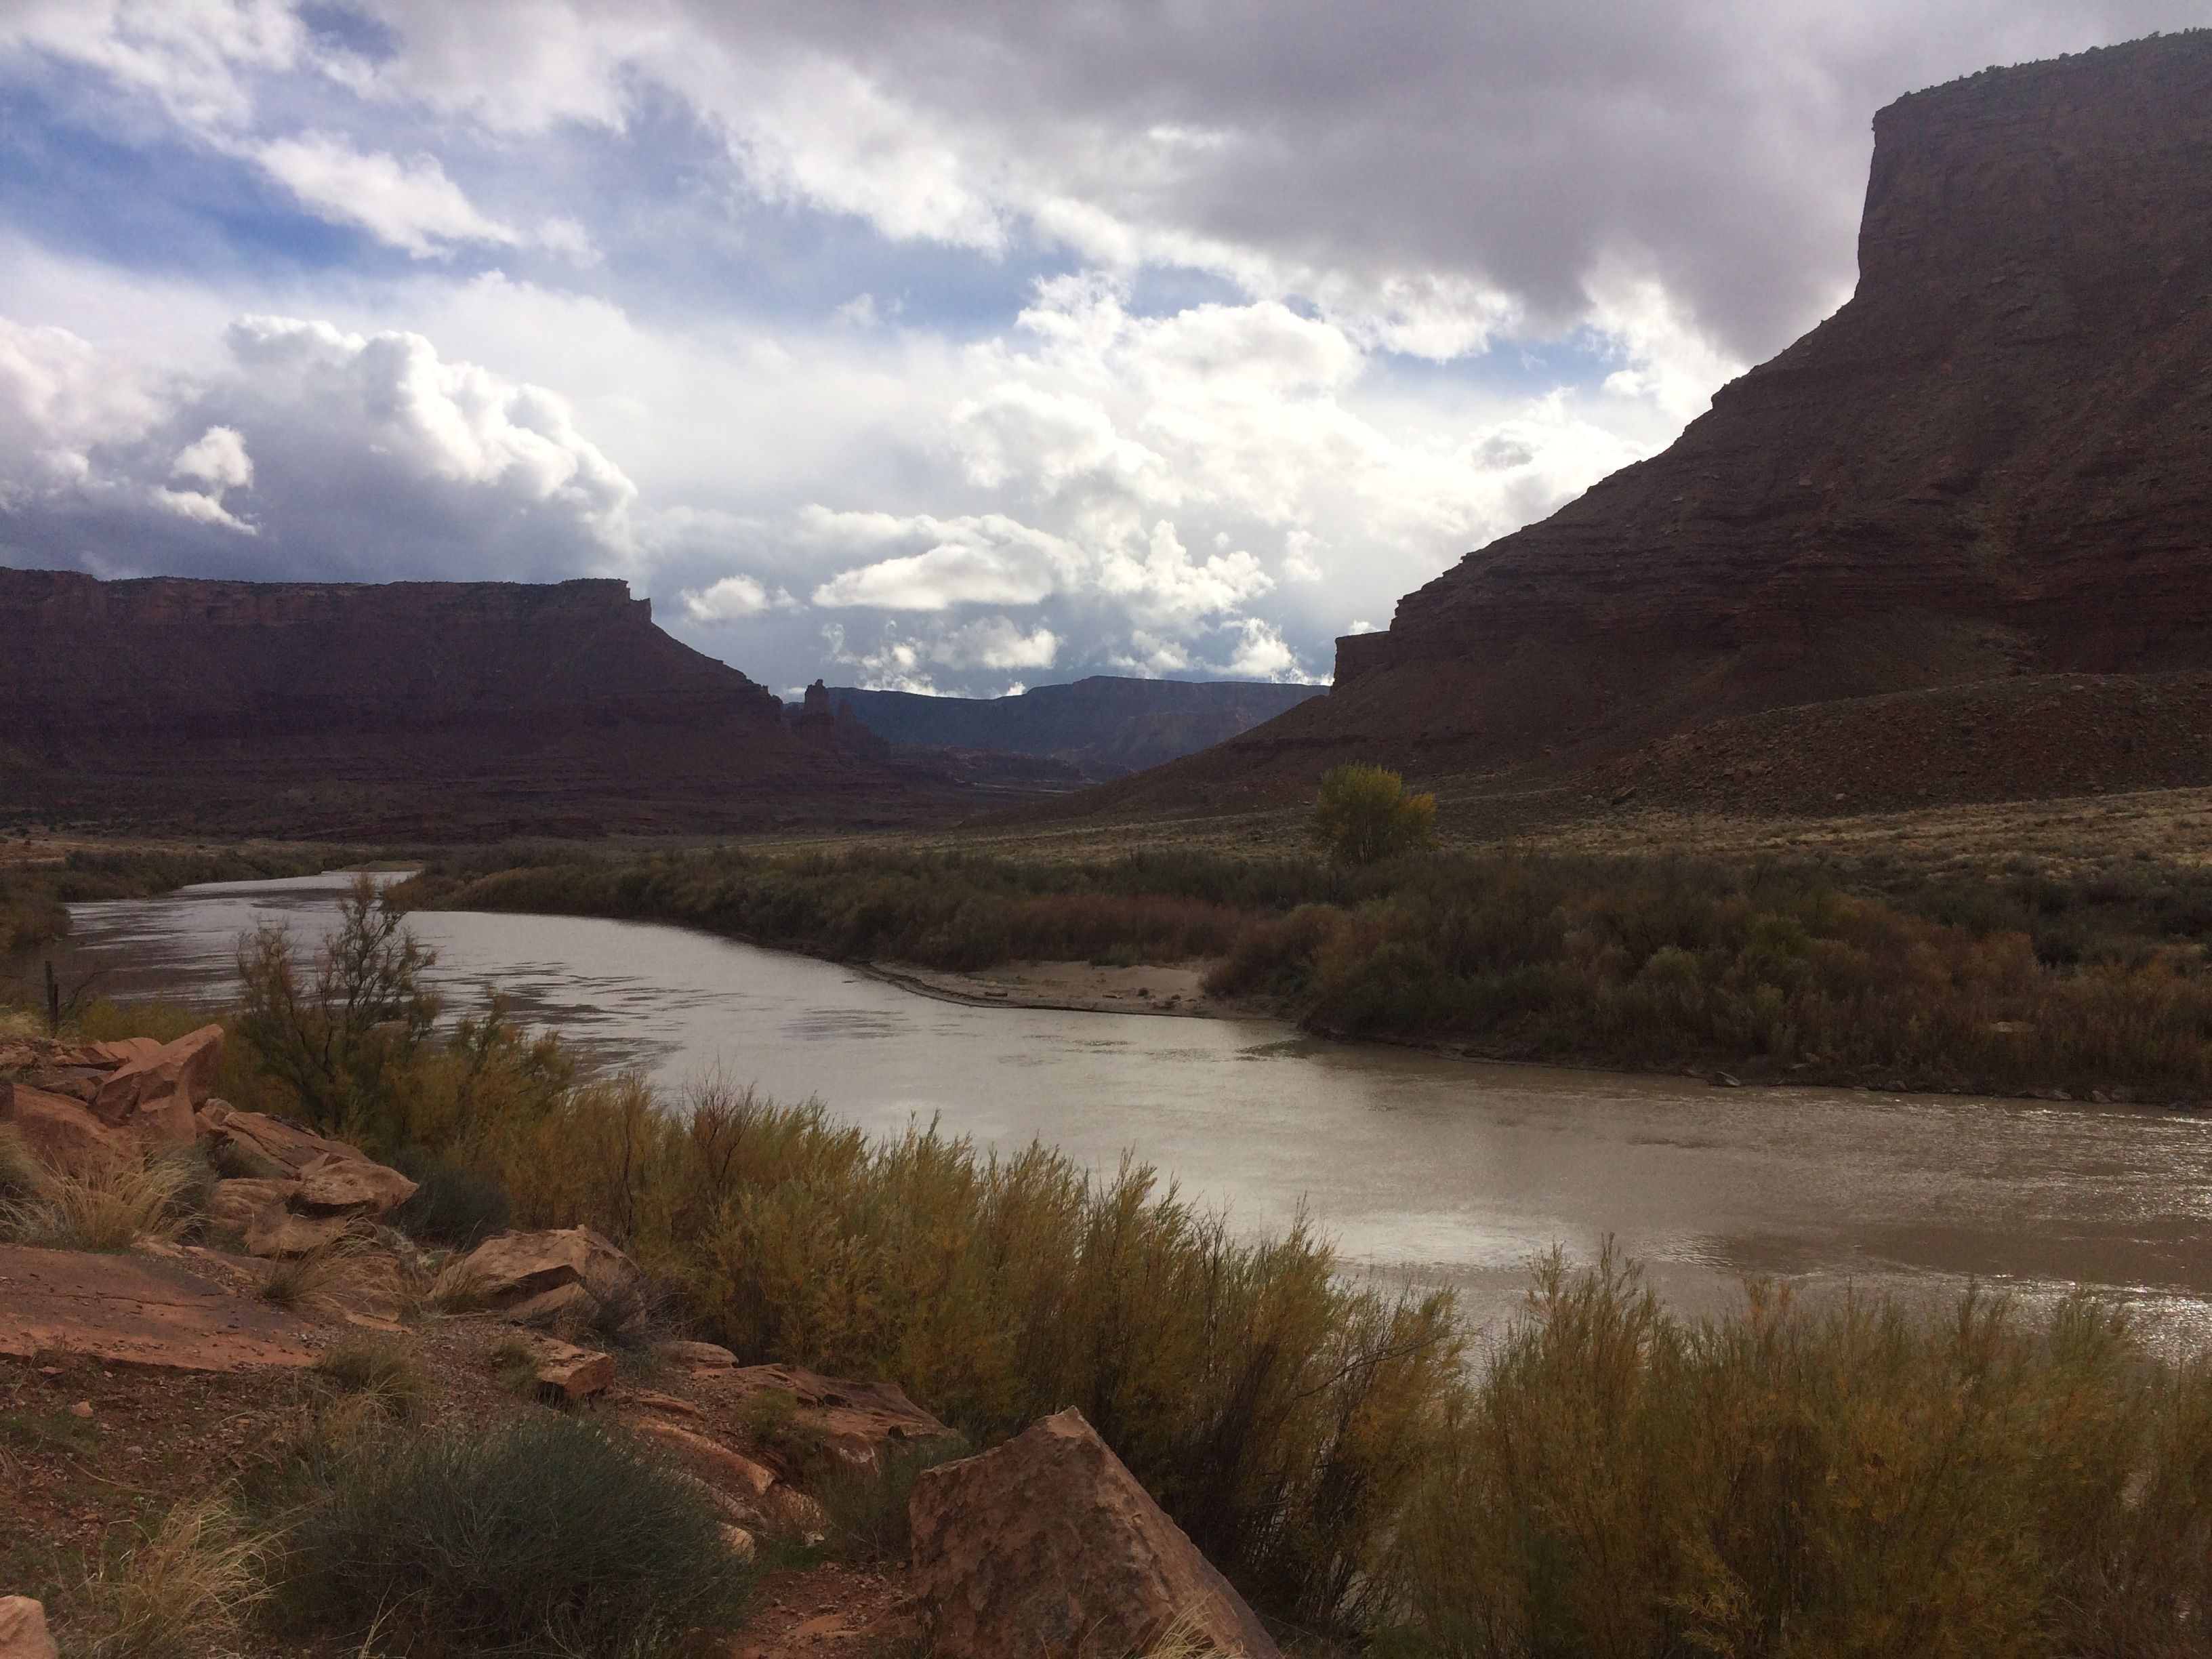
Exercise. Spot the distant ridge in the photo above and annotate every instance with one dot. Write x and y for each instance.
(1104, 726)
(432, 710)
(1953, 545)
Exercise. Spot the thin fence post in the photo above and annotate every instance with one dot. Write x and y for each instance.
(53, 1003)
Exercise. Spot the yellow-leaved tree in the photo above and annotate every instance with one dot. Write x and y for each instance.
(1365, 812)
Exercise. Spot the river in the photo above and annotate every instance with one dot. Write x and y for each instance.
(1442, 1170)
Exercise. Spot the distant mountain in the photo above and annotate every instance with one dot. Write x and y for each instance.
(418, 710)
(1106, 726)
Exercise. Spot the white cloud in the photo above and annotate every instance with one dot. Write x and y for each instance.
(986, 560)
(410, 204)
(201, 508)
(392, 395)
(1261, 653)
(217, 457)
(997, 642)
(734, 598)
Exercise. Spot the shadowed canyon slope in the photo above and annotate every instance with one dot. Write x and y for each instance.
(402, 709)
(1954, 543)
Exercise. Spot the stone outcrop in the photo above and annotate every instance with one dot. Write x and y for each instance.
(154, 1095)
(23, 1629)
(308, 1191)
(1048, 1546)
(857, 1423)
(61, 1132)
(77, 1103)
(131, 1311)
(1991, 468)
(567, 1274)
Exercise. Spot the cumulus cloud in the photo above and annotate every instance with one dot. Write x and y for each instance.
(734, 598)
(363, 455)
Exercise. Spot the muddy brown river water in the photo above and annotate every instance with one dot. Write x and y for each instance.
(1445, 1170)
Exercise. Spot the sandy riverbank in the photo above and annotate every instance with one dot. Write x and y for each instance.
(1080, 987)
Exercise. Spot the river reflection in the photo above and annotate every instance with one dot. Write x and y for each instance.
(1453, 1172)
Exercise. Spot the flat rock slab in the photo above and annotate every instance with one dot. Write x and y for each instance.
(132, 1311)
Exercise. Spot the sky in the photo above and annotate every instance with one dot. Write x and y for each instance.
(948, 347)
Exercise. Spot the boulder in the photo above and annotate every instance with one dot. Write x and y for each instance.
(286, 1148)
(346, 1183)
(314, 1189)
(1048, 1546)
(537, 1278)
(155, 1094)
(697, 1356)
(238, 1202)
(23, 1629)
(572, 1375)
(858, 1422)
(278, 1231)
(729, 1471)
(62, 1133)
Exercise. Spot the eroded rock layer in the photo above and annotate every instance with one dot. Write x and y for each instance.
(430, 709)
(1992, 465)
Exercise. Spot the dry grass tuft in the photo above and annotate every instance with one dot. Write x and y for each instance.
(1184, 1639)
(313, 1281)
(182, 1593)
(22, 1175)
(377, 1371)
(108, 1206)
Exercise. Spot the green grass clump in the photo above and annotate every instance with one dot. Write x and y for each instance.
(544, 1536)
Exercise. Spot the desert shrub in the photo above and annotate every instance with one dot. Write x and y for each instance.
(864, 1509)
(1849, 1479)
(336, 1036)
(452, 1204)
(184, 1591)
(108, 1206)
(544, 1536)
(378, 1370)
(1365, 814)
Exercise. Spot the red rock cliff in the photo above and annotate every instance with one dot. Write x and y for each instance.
(1995, 460)
(434, 709)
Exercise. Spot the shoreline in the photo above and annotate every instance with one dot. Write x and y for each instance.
(1075, 987)
(1175, 992)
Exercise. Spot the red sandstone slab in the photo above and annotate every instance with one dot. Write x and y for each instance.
(132, 1311)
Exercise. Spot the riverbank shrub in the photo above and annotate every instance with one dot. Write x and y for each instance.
(1850, 1478)
(2000, 981)
(1365, 814)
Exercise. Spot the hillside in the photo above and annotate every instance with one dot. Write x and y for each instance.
(1955, 544)
(1102, 726)
(430, 710)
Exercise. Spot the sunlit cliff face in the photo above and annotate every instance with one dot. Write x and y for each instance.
(929, 345)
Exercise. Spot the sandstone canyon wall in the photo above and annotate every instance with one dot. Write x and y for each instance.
(394, 710)
(1976, 502)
